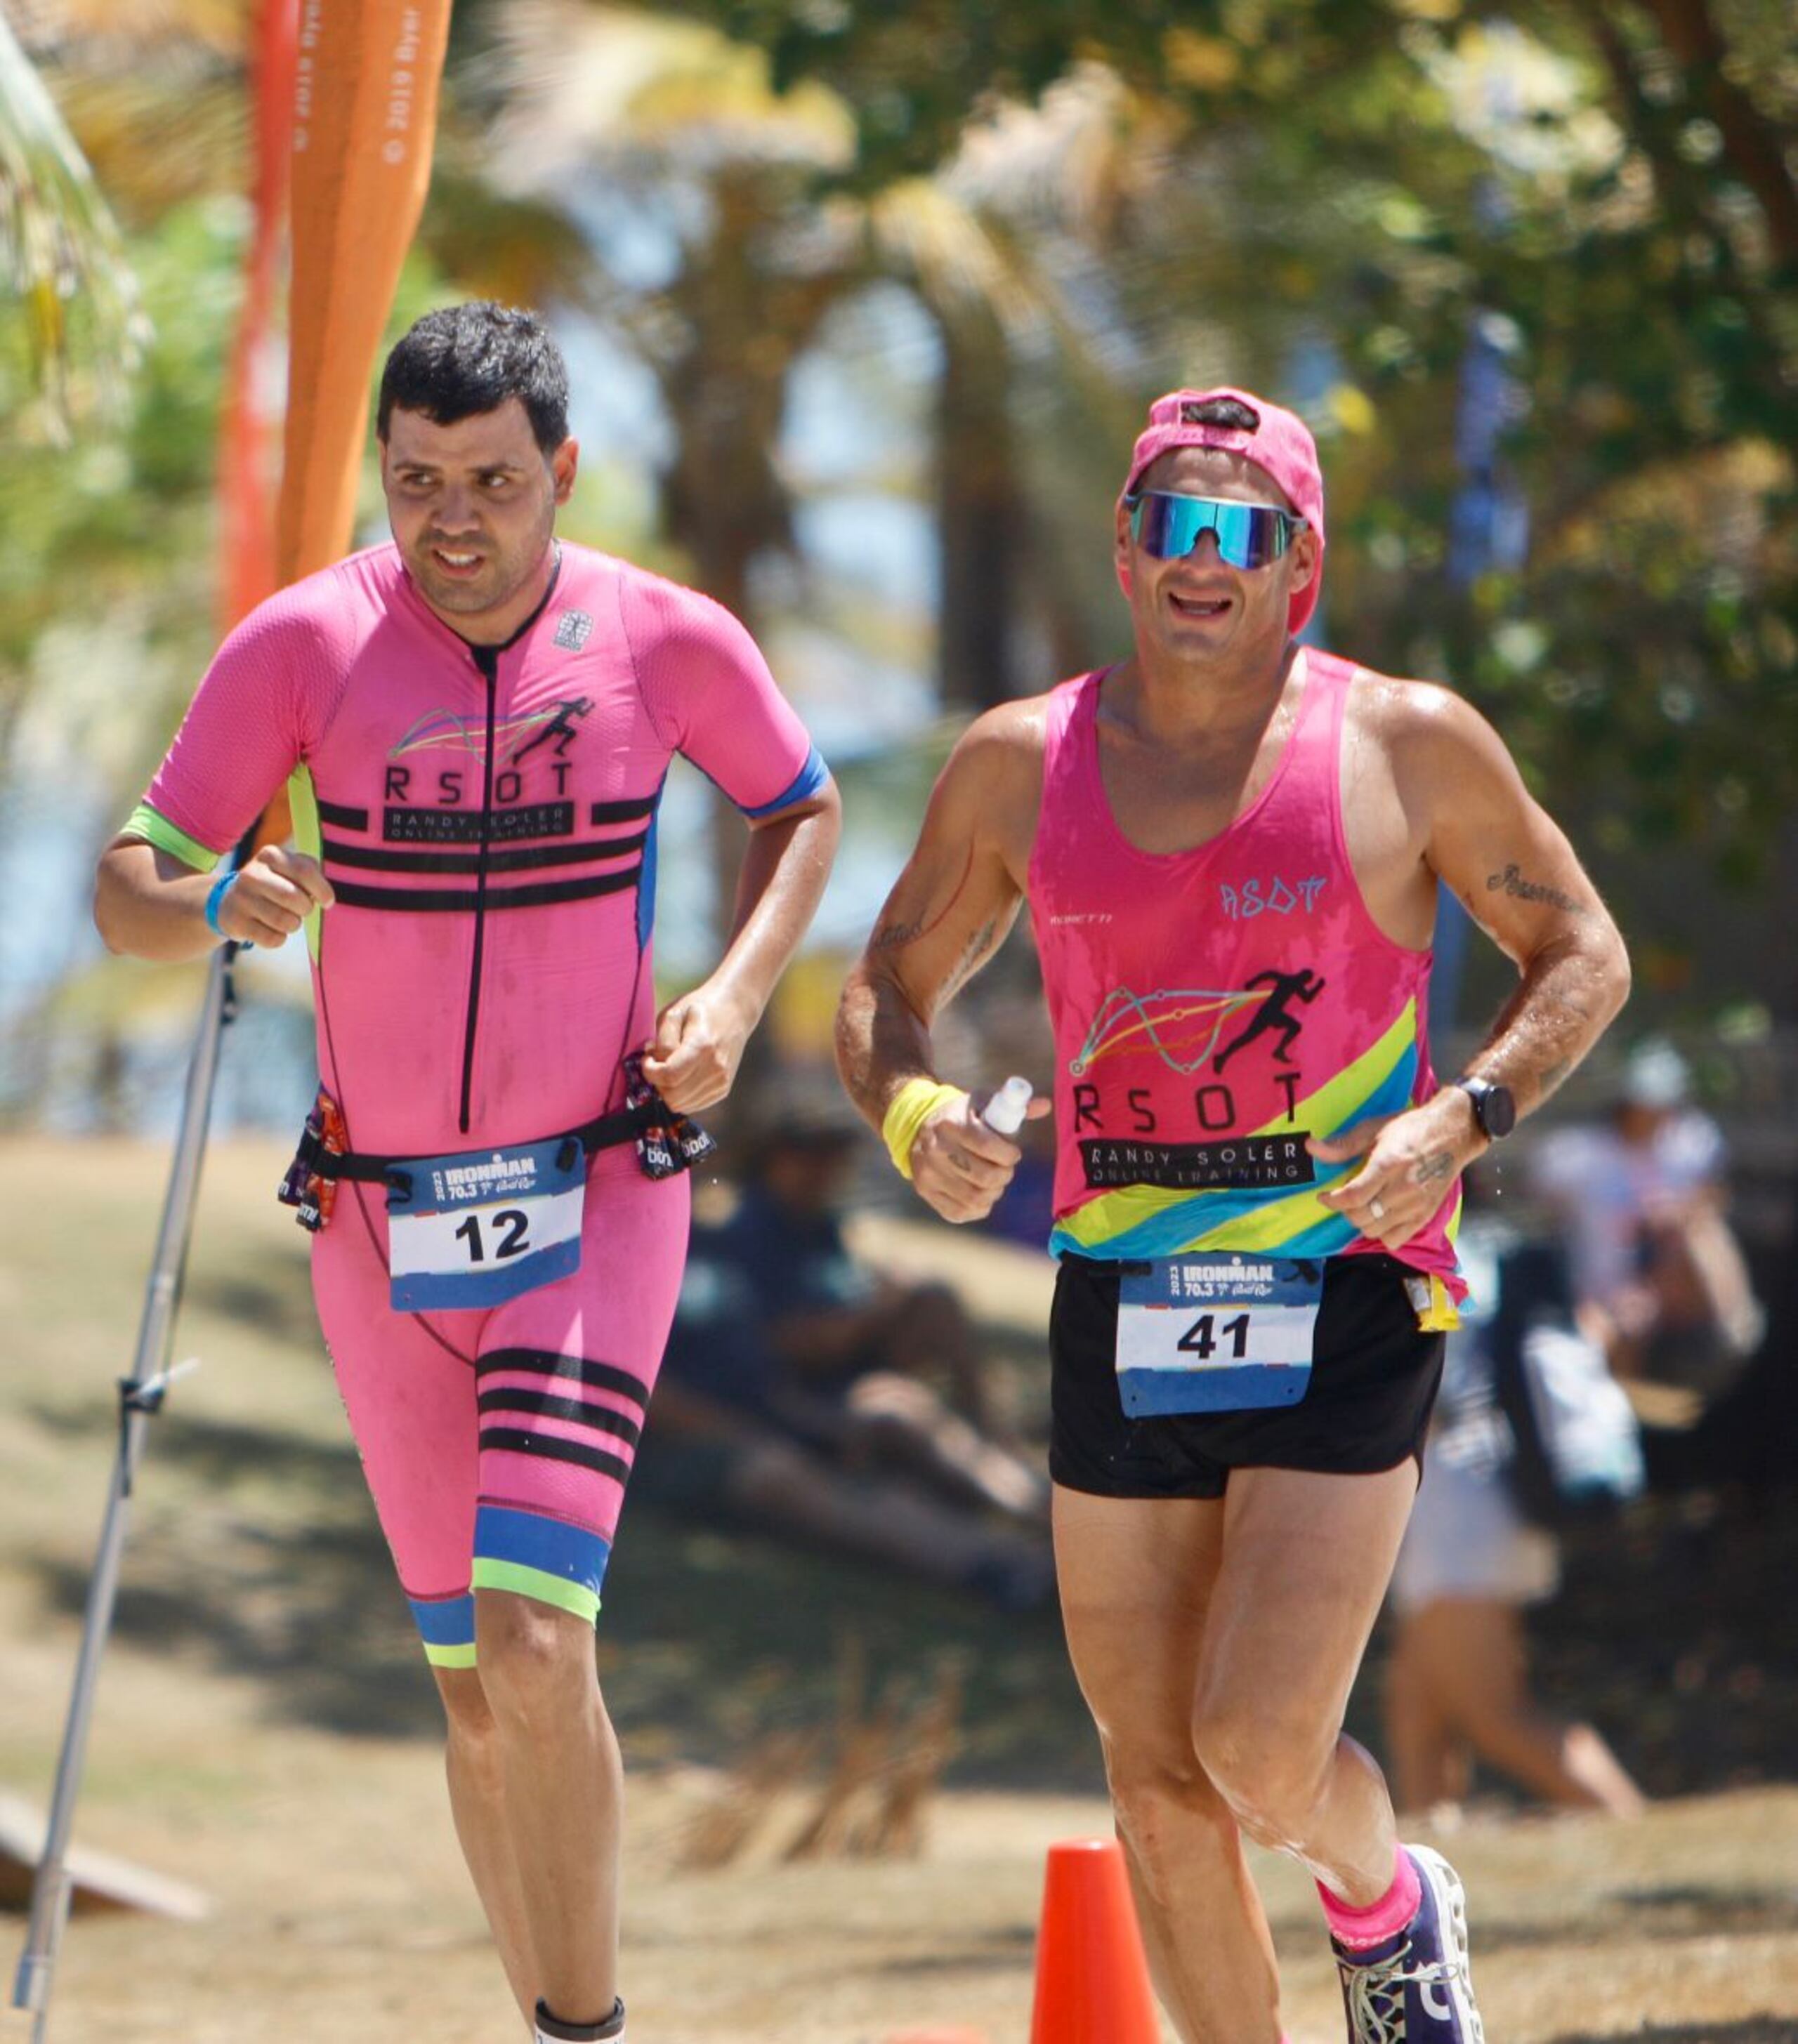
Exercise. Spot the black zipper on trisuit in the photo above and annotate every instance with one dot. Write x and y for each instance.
(487, 658)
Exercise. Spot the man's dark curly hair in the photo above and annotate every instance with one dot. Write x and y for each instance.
(467, 358)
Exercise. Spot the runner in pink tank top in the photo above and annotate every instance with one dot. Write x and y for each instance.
(1230, 850)
(474, 725)
(1215, 1008)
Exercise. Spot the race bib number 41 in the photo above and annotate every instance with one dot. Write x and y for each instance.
(1216, 1334)
(477, 1229)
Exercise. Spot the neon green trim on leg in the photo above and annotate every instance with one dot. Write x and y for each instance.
(144, 822)
(537, 1583)
(451, 1657)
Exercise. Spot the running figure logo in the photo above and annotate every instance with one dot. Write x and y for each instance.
(1281, 987)
(513, 738)
(1182, 1025)
(558, 728)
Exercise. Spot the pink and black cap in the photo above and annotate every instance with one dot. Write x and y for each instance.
(1279, 442)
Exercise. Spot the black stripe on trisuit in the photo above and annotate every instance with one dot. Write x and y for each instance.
(577, 1369)
(424, 901)
(552, 1447)
(380, 860)
(541, 1405)
(335, 814)
(623, 813)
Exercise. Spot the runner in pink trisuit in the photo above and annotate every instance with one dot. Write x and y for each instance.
(475, 988)
(474, 724)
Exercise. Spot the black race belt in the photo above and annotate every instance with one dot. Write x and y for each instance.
(605, 1131)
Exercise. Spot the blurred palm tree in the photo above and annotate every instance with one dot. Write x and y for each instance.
(71, 294)
(724, 234)
(121, 509)
(73, 320)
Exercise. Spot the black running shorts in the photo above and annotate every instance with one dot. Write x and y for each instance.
(1374, 1382)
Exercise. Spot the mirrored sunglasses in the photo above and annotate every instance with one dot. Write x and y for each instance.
(1249, 535)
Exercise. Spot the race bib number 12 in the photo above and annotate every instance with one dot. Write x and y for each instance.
(477, 1229)
(1216, 1334)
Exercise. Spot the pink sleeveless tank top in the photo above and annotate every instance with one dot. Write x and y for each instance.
(1213, 1008)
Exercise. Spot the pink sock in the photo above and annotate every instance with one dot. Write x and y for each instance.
(1360, 1929)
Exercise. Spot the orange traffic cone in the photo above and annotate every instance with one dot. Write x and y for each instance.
(1092, 1978)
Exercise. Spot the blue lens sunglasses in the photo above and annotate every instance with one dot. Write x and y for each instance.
(1249, 535)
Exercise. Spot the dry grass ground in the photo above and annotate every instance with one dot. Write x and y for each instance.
(266, 1732)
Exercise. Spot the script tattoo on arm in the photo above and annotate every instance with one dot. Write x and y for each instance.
(1511, 882)
(895, 937)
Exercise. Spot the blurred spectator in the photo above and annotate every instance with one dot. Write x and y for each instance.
(1457, 1686)
(800, 1392)
(1642, 1198)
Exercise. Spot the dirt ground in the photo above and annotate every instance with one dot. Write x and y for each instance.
(266, 1732)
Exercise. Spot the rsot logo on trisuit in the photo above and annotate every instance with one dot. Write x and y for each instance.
(479, 1228)
(1216, 1334)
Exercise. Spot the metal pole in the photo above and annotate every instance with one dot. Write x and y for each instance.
(140, 1395)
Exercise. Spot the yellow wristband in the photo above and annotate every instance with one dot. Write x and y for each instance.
(912, 1106)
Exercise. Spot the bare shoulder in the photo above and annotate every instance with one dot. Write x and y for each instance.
(998, 758)
(1430, 744)
(989, 792)
(1411, 719)
(1007, 739)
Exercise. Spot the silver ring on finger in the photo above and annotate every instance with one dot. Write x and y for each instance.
(1377, 1211)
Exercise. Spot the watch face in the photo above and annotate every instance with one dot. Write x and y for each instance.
(1495, 1108)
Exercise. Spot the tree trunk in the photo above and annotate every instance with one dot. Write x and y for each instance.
(981, 513)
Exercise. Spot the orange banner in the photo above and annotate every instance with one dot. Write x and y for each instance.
(248, 422)
(364, 119)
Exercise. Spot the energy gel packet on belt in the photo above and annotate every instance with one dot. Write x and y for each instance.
(302, 1187)
(671, 1142)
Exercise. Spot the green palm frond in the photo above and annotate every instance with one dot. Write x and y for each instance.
(73, 306)
(590, 84)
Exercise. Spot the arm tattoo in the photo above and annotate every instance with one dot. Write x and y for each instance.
(1433, 1169)
(965, 966)
(895, 935)
(1512, 882)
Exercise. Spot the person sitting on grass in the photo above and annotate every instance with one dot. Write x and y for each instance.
(795, 1395)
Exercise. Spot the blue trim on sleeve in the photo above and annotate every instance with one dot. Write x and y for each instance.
(646, 876)
(809, 778)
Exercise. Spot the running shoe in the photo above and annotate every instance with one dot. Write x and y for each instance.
(1416, 1987)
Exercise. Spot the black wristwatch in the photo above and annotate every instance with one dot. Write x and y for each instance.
(1494, 1109)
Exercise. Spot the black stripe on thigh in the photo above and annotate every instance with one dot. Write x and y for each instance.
(543, 1405)
(576, 1369)
(552, 1447)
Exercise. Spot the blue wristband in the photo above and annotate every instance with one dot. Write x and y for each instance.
(215, 900)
